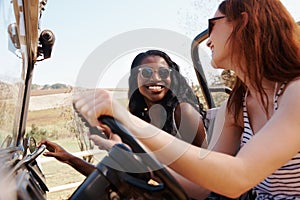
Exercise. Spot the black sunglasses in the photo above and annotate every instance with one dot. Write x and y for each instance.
(211, 23)
(147, 72)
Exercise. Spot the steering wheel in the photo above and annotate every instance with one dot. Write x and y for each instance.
(129, 173)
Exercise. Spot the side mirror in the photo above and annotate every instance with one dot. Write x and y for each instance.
(14, 35)
(31, 144)
(46, 41)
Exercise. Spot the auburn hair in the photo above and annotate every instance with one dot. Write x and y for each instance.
(269, 44)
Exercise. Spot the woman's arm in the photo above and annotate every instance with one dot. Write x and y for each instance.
(56, 151)
(226, 133)
(190, 124)
(192, 189)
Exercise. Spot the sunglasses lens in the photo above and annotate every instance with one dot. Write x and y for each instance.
(146, 72)
(211, 23)
(210, 26)
(164, 73)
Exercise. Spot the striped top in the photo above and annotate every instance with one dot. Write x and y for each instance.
(285, 182)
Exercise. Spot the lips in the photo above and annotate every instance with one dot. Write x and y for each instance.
(155, 88)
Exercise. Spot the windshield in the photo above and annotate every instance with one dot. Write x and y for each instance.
(11, 77)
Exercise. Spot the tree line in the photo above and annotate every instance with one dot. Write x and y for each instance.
(49, 87)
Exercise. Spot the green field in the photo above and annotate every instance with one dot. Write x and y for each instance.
(56, 122)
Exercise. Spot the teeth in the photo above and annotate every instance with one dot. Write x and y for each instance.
(155, 87)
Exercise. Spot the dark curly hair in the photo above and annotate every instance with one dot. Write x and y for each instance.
(179, 91)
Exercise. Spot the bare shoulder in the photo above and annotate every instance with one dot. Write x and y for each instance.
(292, 88)
(185, 105)
(290, 98)
(185, 108)
(294, 84)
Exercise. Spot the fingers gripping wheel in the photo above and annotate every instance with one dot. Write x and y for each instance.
(129, 173)
(164, 183)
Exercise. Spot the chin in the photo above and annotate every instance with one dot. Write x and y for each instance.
(217, 66)
(156, 99)
(213, 64)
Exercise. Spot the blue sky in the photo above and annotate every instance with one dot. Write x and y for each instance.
(82, 26)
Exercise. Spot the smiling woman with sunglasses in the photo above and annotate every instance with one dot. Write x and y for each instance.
(160, 95)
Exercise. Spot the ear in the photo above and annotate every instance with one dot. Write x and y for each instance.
(245, 18)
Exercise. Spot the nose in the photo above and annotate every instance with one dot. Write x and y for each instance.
(155, 75)
(208, 43)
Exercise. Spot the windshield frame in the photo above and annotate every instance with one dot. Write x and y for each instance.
(19, 22)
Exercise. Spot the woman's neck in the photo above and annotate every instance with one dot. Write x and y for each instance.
(148, 103)
(268, 87)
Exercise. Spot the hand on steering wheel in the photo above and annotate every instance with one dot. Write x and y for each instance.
(139, 161)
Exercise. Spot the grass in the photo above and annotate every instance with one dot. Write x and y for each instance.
(57, 173)
(44, 117)
(49, 118)
(58, 122)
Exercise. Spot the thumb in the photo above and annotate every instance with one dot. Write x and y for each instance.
(49, 154)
